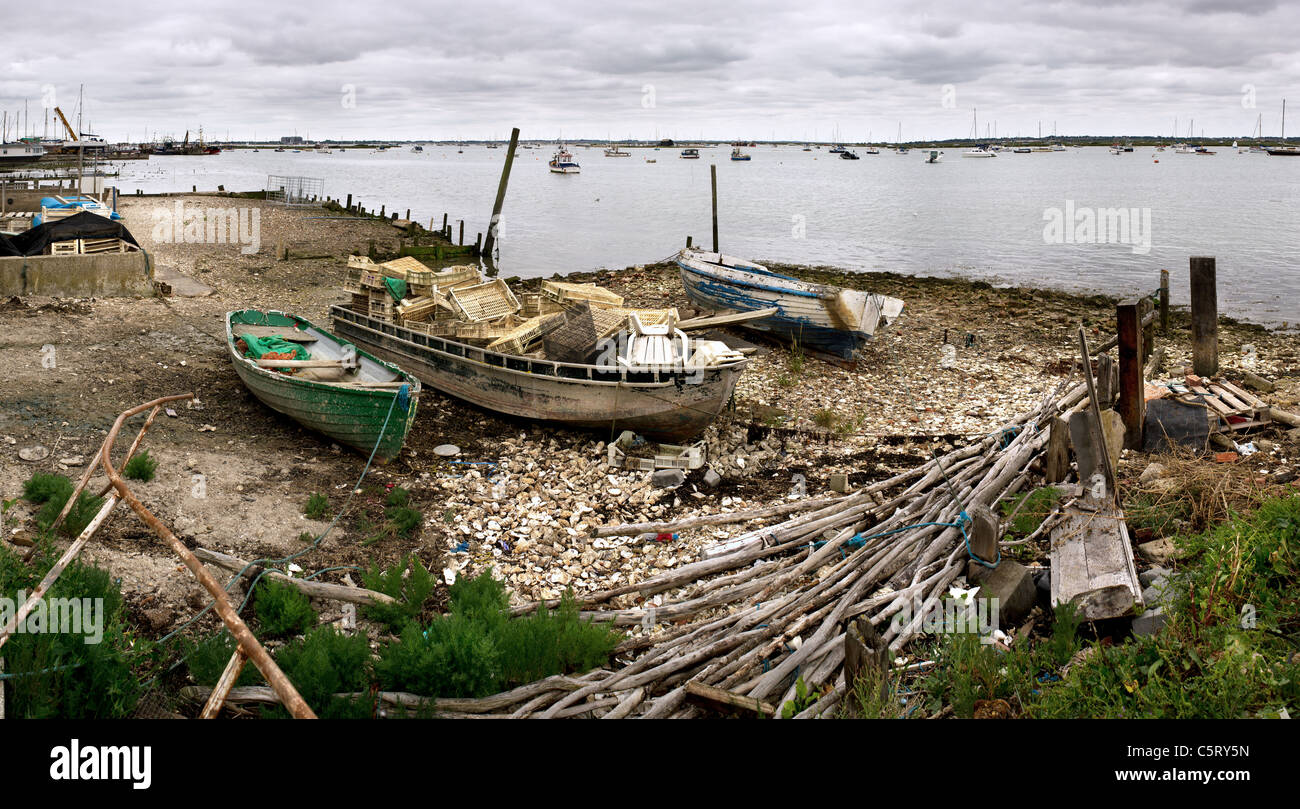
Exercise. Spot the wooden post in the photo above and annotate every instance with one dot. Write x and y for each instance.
(462, 232)
(382, 212)
(408, 214)
(501, 195)
(713, 175)
(444, 221)
(688, 242)
(1105, 381)
(1058, 450)
(1205, 317)
(1092, 426)
(1132, 399)
(478, 244)
(866, 663)
(1145, 308)
(1164, 301)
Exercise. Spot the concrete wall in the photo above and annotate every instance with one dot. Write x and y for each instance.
(102, 275)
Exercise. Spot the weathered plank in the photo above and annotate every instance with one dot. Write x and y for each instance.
(1092, 562)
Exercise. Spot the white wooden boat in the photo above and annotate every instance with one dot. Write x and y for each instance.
(826, 319)
(562, 162)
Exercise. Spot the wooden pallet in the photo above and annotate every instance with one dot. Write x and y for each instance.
(1234, 408)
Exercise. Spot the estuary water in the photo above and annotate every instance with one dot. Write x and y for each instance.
(1082, 219)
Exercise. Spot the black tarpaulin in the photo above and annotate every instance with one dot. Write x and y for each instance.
(84, 225)
(1171, 422)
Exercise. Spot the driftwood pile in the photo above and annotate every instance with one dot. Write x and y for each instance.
(890, 548)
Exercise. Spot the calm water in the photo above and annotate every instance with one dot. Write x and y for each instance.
(969, 217)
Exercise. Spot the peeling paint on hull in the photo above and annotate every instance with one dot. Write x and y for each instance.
(665, 406)
(814, 315)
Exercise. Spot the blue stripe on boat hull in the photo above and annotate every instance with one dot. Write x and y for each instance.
(714, 295)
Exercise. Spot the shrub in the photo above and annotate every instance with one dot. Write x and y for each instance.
(207, 659)
(478, 649)
(411, 590)
(317, 507)
(282, 609)
(327, 662)
(52, 492)
(454, 657)
(60, 675)
(141, 467)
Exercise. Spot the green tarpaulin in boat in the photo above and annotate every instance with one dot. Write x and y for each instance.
(259, 347)
(396, 288)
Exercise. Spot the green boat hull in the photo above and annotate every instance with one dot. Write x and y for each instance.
(353, 416)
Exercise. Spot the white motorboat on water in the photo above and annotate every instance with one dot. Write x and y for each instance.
(615, 151)
(934, 156)
(979, 151)
(562, 162)
(690, 154)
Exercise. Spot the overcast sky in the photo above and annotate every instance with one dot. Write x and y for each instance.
(792, 69)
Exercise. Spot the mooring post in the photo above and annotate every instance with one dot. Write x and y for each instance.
(1164, 301)
(688, 242)
(461, 241)
(1145, 310)
(444, 222)
(501, 195)
(478, 244)
(382, 212)
(1205, 317)
(713, 176)
(1132, 399)
(408, 214)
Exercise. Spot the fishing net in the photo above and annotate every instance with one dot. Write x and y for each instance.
(273, 348)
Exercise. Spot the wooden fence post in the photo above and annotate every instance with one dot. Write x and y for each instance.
(1164, 301)
(1205, 316)
(1132, 384)
(713, 175)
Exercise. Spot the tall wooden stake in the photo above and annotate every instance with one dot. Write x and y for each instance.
(1132, 401)
(713, 175)
(1205, 316)
(1164, 301)
(491, 240)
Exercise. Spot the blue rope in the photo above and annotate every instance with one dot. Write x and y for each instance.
(9, 675)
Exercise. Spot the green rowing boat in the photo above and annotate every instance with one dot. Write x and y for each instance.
(322, 382)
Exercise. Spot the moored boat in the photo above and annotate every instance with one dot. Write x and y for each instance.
(562, 162)
(827, 319)
(661, 403)
(737, 154)
(690, 154)
(327, 385)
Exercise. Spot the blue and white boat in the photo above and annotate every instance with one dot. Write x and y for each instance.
(825, 319)
(563, 163)
(736, 154)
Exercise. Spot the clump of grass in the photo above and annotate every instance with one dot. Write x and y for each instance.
(826, 419)
(317, 507)
(795, 363)
(409, 582)
(1027, 510)
(141, 467)
(52, 493)
(400, 520)
(282, 609)
(785, 381)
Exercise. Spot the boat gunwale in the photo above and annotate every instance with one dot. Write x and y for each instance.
(665, 379)
(828, 292)
(333, 387)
